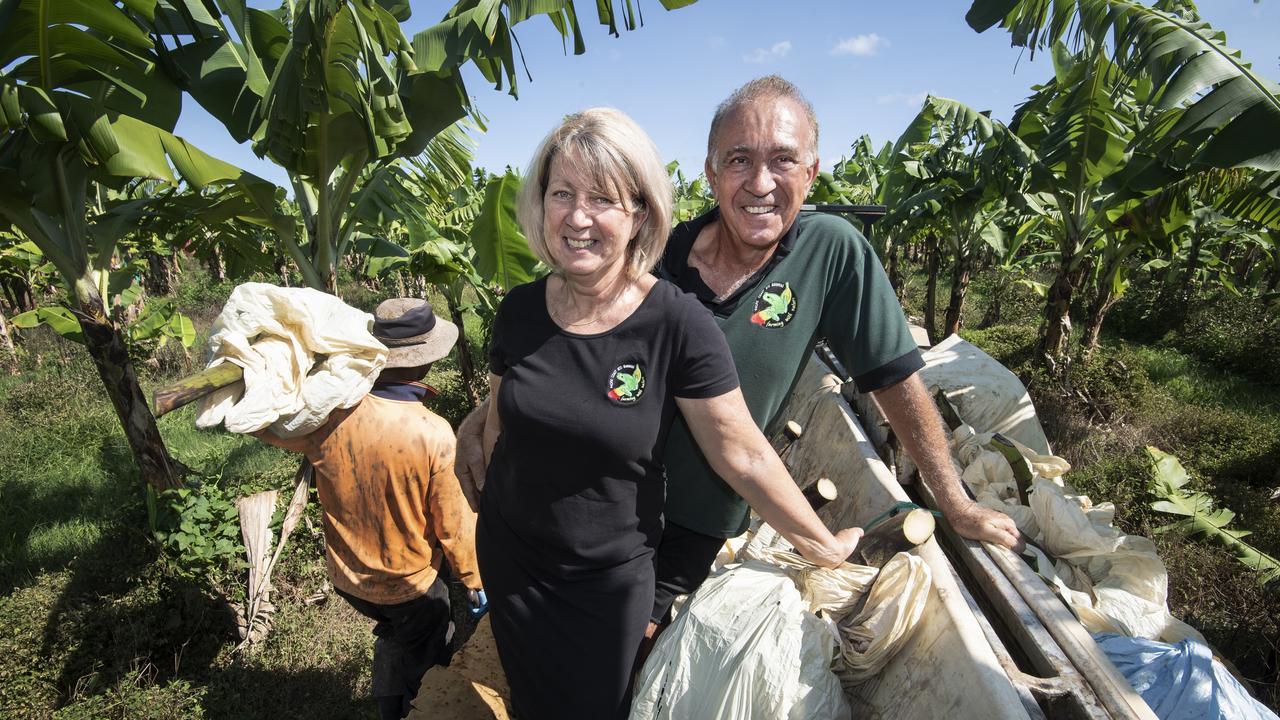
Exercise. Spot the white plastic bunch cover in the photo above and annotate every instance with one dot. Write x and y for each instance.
(759, 639)
(305, 353)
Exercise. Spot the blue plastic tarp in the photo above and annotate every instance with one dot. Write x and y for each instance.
(1182, 681)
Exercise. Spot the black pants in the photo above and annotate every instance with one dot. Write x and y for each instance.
(410, 638)
(682, 562)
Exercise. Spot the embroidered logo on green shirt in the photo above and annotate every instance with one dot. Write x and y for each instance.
(626, 384)
(775, 307)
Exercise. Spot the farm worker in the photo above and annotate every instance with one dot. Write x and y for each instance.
(777, 282)
(588, 368)
(394, 513)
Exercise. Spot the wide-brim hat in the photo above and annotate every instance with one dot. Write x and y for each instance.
(413, 333)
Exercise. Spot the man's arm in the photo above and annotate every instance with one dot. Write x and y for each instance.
(453, 520)
(916, 422)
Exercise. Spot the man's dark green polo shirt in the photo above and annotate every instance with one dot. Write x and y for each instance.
(824, 281)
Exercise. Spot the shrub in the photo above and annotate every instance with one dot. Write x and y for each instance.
(1237, 332)
(1113, 381)
(1012, 345)
(1227, 444)
(198, 529)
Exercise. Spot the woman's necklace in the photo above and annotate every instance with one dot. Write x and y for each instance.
(567, 300)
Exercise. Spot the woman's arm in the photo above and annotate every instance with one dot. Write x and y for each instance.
(470, 461)
(740, 454)
(492, 426)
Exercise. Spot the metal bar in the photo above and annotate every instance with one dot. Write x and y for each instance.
(873, 211)
(866, 214)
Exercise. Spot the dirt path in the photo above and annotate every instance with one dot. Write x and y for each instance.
(473, 687)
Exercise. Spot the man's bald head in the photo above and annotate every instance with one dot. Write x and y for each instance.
(763, 89)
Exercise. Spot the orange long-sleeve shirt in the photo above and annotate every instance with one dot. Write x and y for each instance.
(384, 473)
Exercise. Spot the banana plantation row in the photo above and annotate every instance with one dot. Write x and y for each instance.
(1152, 148)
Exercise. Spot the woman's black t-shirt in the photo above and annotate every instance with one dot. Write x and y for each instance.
(577, 472)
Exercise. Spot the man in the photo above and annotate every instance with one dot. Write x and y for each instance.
(393, 508)
(777, 282)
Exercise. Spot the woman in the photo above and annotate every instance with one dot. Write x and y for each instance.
(588, 368)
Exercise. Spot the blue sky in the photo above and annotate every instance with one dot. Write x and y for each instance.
(865, 66)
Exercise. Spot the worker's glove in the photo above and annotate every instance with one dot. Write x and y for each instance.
(478, 603)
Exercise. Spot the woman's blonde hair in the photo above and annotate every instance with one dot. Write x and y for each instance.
(610, 148)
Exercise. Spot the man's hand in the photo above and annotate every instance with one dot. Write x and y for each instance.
(468, 463)
(915, 420)
(477, 603)
(846, 542)
(976, 522)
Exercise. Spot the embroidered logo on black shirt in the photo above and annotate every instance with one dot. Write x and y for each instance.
(775, 307)
(626, 384)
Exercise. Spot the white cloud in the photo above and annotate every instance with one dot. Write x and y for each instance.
(760, 55)
(914, 100)
(861, 45)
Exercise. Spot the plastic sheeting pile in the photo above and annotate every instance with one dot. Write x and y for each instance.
(304, 353)
(1181, 681)
(760, 639)
(983, 392)
(1114, 582)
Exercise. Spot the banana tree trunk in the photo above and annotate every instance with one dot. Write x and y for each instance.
(959, 287)
(217, 271)
(1055, 333)
(1244, 266)
(991, 317)
(931, 291)
(894, 268)
(1189, 277)
(107, 348)
(8, 354)
(466, 364)
(1093, 323)
(19, 294)
(160, 278)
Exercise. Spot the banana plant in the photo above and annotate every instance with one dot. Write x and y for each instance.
(82, 107)
(1232, 114)
(1168, 481)
(691, 197)
(1142, 96)
(24, 272)
(859, 179)
(331, 89)
(1082, 126)
(1017, 254)
(963, 173)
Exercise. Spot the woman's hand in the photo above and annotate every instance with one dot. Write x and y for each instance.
(469, 463)
(739, 453)
(492, 424)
